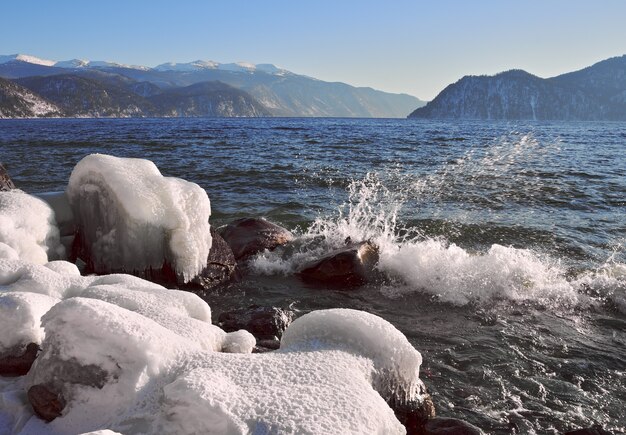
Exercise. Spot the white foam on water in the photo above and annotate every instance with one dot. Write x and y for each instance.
(435, 266)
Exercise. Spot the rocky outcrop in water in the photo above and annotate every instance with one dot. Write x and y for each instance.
(249, 236)
(5, 181)
(265, 323)
(221, 264)
(594, 93)
(346, 267)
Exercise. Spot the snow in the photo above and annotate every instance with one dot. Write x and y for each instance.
(140, 377)
(396, 361)
(197, 65)
(130, 356)
(239, 342)
(28, 227)
(26, 58)
(133, 218)
(20, 315)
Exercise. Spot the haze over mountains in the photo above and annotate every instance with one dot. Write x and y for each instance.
(82, 88)
(595, 93)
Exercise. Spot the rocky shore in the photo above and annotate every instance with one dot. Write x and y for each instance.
(103, 328)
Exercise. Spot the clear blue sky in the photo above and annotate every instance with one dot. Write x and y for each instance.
(399, 46)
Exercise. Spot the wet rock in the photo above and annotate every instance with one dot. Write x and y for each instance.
(265, 323)
(449, 426)
(249, 236)
(221, 264)
(593, 430)
(5, 181)
(346, 267)
(17, 361)
(414, 414)
(46, 402)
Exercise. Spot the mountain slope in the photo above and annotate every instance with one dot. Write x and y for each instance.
(207, 99)
(19, 102)
(82, 96)
(283, 93)
(594, 93)
(100, 94)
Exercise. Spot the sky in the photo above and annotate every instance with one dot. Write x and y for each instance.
(412, 47)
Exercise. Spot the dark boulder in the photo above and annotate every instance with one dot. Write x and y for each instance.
(46, 402)
(221, 264)
(5, 181)
(17, 362)
(265, 323)
(414, 414)
(350, 266)
(263, 346)
(249, 236)
(449, 426)
(593, 430)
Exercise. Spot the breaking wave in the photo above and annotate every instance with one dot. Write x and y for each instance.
(435, 266)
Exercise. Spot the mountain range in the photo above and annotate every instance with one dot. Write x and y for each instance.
(596, 93)
(82, 88)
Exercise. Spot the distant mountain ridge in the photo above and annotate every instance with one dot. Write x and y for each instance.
(595, 93)
(267, 89)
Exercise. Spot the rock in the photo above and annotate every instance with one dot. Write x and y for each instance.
(449, 426)
(17, 362)
(265, 323)
(263, 346)
(349, 266)
(593, 430)
(5, 181)
(414, 414)
(249, 236)
(46, 403)
(221, 264)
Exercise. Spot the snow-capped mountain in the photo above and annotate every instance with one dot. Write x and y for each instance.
(26, 58)
(278, 91)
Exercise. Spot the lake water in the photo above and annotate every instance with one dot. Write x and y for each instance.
(503, 253)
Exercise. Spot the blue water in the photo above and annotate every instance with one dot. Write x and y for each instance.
(502, 243)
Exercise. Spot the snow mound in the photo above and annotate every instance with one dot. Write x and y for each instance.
(132, 375)
(28, 226)
(131, 218)
(239, 342)
(20, 315)
(396, 361)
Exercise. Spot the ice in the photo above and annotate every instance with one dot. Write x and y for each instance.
(132, 218)
(137, 376)
(62, 211)
(20, 315)
(28, 226)
(239, 342)
(7, 252)
(395, 360)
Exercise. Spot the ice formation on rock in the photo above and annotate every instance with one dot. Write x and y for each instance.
(395, 360)
(28, 227)
(131, 218)
(137, 376)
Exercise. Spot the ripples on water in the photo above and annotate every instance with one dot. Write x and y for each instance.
(502, 245)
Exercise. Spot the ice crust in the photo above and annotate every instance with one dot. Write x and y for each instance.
(28, 228)
(134, 219)
(133, 357)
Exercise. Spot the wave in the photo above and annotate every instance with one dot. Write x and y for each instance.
(437, 267)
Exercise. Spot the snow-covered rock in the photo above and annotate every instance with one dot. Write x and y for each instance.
(130, 218)
(117, 369)
(28, 227)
